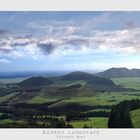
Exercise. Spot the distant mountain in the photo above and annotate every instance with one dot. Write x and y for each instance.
(119, 72)
(35, 81)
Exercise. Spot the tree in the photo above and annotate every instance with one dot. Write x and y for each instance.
(120, 114)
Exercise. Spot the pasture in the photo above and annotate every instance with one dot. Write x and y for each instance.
(94, 122)
(129, 82)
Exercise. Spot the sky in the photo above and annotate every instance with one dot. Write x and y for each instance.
(59, 41)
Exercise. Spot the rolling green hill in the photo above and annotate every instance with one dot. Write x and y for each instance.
(88, 77)
(94, 83)
(68, 87)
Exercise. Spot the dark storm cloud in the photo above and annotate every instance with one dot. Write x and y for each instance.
(47, 48)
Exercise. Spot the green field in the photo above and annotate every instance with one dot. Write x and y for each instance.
(1, 113)
(7, 97)
(6, 121)
(135, 115)
(59, 81)
(97, 110)
(94, 122)
(132, 82)
(40, 100)
(101, 99)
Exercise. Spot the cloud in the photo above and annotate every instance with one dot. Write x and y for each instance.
(55, 28)
(5, 33)
(22, 41)
(4, 61)
(49, 45)
(17, 46)
(71, 26)
(77, 40)
(47, 48)
(125, 41)
(122, 41)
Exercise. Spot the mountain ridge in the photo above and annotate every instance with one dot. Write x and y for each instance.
(119, 73)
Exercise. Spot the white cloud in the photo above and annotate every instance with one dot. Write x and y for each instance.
(123, 41)
(54, 29)
(4, 61)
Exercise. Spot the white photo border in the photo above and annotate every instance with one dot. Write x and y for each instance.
(69, 5)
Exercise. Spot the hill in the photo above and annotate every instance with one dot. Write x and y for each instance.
(75, 84)
(119, 73)
(35, 81)
(92, 79)
(94, 83)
